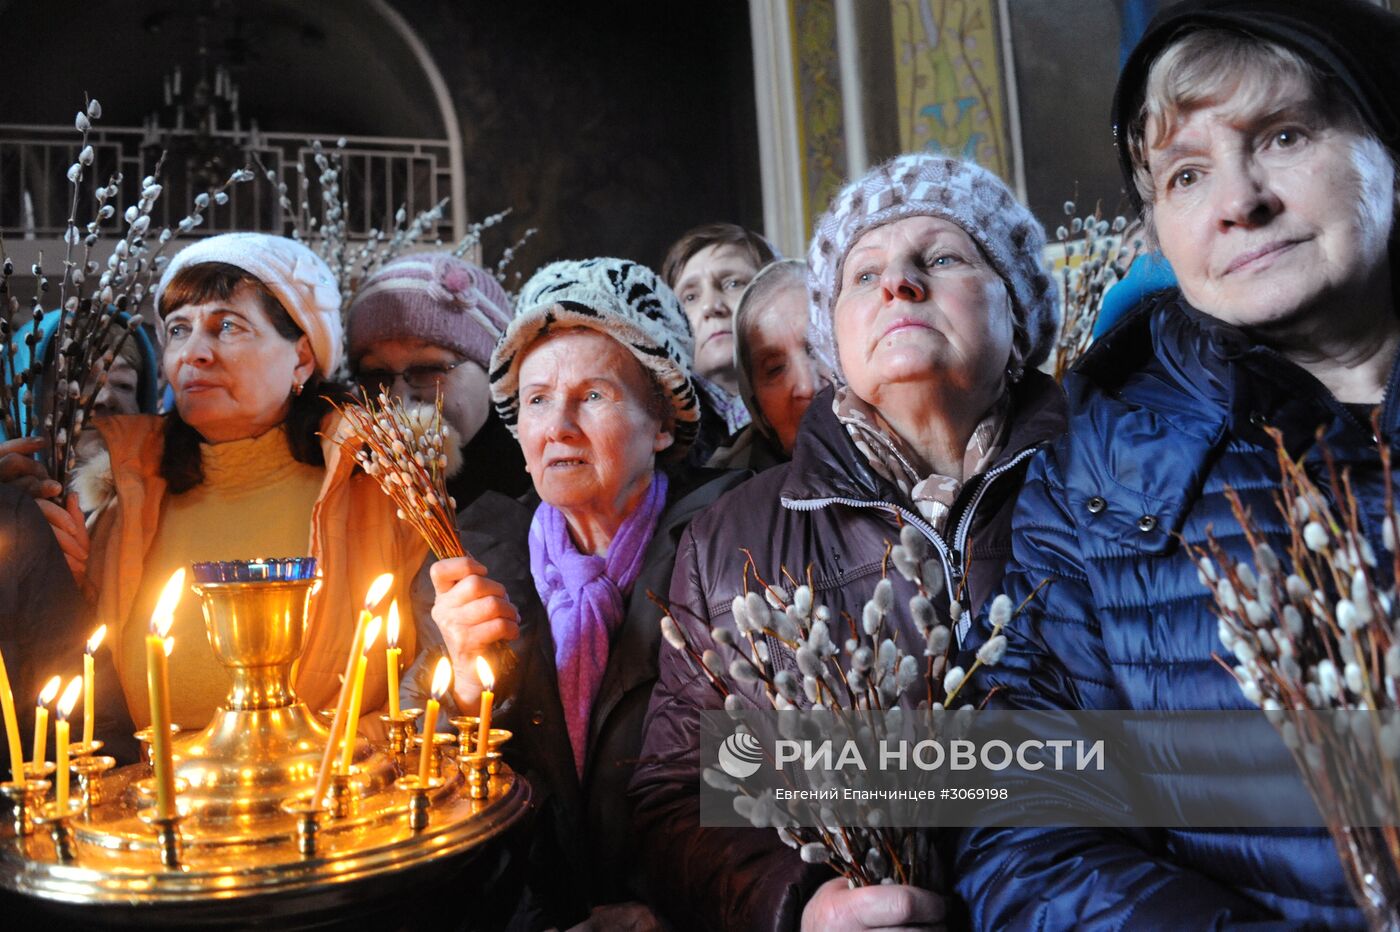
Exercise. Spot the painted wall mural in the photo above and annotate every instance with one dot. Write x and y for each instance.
(948, 80)
(821, 127)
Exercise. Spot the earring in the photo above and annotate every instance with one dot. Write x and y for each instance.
(296, 389)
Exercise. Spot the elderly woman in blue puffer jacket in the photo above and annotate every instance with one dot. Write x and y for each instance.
(1259, 138)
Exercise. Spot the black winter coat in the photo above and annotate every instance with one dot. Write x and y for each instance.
(582, 853)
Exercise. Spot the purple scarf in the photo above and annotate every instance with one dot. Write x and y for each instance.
(584, 598)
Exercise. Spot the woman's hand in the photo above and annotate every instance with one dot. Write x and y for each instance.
(473, 612)
(836, 907)
(19, 467)
(71, 530)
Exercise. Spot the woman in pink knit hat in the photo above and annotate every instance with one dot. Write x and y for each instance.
(424, 324)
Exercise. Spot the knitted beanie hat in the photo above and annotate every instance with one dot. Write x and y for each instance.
(617, 297)
(959, 192)
(299, 279)
(1352, 42)
(434, 297)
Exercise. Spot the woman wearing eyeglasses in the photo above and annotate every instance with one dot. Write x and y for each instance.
(425, 324)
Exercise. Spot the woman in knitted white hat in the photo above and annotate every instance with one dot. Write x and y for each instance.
(931, 308)
(243, 467)
(593, 376)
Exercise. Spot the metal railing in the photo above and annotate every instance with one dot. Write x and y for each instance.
(379, 175)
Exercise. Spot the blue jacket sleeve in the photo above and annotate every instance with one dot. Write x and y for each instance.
(1061, 878)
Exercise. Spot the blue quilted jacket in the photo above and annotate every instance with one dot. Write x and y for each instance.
(1165, 412)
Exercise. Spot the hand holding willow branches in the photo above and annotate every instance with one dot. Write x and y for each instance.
(838, 906)
(71, 532)
(19, 467)
(473, 613)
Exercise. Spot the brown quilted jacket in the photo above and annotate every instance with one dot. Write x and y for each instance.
(826, 509)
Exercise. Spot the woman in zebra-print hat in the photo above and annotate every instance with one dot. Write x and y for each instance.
(593, 376)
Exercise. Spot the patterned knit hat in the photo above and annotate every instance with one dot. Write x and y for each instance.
(434, 297)
(962, 193)
(617, 297)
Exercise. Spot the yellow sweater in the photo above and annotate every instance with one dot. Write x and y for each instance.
(255, 501)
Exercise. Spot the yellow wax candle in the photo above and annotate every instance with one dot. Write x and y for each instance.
(60, 730)
(93, 643)
(357, 694)
(391, 658)
(7, 706)
(158, 691)
(442, 681)
(377, 590)
(41, 720)
(488, 680)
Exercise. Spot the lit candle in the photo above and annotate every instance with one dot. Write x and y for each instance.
(377, 590)
(93, 643)
(442, 681)
(357, 694)
(7, 705)
(488, 680)
(41, 720)
(60, 731)
(158, 690)
(391, 656)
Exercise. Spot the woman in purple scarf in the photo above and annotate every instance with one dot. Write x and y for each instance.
(593, 376)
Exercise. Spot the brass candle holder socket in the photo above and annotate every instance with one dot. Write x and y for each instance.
(144, 737)
(468, 730)
(419, 799)
(308, 817)
(25, 799)
(168, 838)
(90, 771)
(342, 794)
(401, 728)
(84, 748)
(479, 768)
(60, 828)
(35, 770)
(441, 741)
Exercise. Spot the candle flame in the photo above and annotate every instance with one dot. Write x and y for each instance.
(95, 641)
(483, 673)
(164, 615)
(372, 632)
(70, 697)
(50, 691)
(442, 678)
(169, 646)
(377, 590)
(393, 632)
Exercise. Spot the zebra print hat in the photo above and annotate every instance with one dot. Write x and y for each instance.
(617, 297)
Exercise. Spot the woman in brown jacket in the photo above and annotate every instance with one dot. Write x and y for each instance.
(932, 309)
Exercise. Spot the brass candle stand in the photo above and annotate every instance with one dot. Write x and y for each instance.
(247, 829)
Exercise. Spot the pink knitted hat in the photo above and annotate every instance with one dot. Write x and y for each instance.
(434, 297)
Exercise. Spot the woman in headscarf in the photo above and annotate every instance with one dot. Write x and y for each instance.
(778, 373)
(932, 309)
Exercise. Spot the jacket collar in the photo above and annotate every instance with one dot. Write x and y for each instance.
(826, 463)
(1163, 390)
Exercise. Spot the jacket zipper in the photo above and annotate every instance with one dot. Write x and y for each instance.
(951, 556)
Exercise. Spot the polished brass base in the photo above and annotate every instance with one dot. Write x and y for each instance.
(246, 829)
